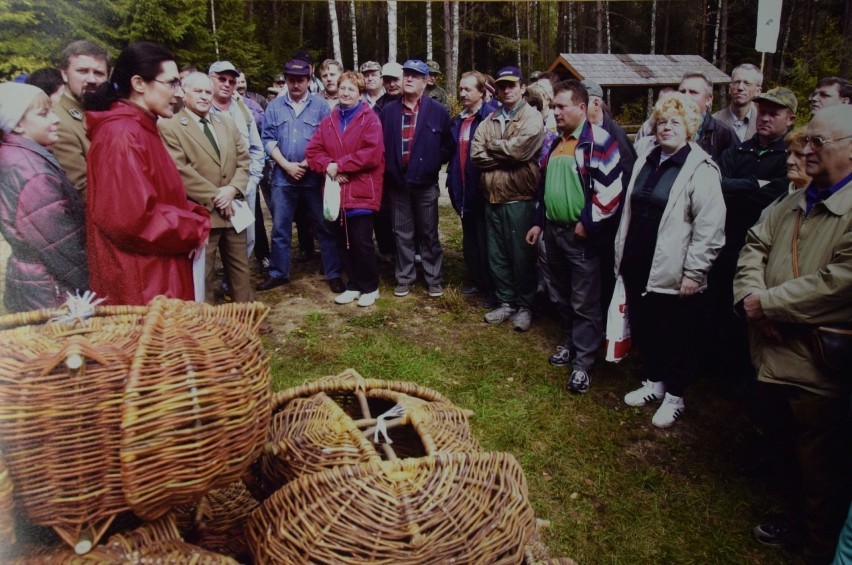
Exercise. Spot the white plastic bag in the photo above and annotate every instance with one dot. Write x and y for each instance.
(331, 199)
(617, 325)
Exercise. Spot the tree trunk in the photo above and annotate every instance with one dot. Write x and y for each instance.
(429, 31)
(572, 30)
(301, 25)
(518, 34)
(453, 77)
(391, 30)
(213, 23)
(527, 8)
(600, 26)
(448, 47)
(354, 34)
(715, 59)
(703, 46)
(653, 48)
(846, 57)
(784, 42)
(723, 49)
(665, 49)
(335, 30)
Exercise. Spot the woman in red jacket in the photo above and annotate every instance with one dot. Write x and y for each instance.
(348, 147)
(141, 229)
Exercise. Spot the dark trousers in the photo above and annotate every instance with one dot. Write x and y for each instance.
(575, 275)
(663, 327)
(357, 253)
(261, 241)
(726, 331)
(810, 442)
(415, 220)
(510, 257)
(383, 227)
(475, 250)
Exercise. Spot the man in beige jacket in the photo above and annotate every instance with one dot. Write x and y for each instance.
(213, 161)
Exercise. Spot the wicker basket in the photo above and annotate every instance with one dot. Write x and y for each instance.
(7, 510)
(450, 508)
(133, 408)
(337, 427)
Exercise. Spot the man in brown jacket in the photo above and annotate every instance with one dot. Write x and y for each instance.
(84, 66)
(213, 161)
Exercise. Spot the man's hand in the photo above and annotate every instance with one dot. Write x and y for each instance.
(753, 310)
(295, 170)
(688, 287)
(580, 231)
(768, 329)
(532, 235)
(225, 196)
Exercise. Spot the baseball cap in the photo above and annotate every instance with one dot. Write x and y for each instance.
(280, 78)
(781, 96)
(512, 74)
(370, 66)
(223, 67)
(392, 70)
(297, 67)
(593, 88)
(416, 65)
(434, 67)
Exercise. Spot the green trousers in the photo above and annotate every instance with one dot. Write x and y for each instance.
(510, 258)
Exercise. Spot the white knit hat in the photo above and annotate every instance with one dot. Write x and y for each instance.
(15, 98)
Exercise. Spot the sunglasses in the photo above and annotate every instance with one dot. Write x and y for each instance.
(224, 79)
(818, 142)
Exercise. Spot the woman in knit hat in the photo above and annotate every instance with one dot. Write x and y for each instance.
(40, 215)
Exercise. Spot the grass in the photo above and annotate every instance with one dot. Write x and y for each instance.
(615, 489)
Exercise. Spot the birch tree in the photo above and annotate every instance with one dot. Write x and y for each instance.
(428, 31)
(653, 47)
(518, 34)
(453, 71)
(391, 30)
(335, 30)
(354, 34)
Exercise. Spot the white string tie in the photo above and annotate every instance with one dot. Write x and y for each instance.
(381, 425)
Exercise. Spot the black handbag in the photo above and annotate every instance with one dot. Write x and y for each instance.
(832, 345)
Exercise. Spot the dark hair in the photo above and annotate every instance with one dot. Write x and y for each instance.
(552, 77)
(534, 100)
(844, 87)
(575, 87)
(48, 79)
(82, 47)
(143, 58)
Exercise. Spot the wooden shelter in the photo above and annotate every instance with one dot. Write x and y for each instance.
(640, 70)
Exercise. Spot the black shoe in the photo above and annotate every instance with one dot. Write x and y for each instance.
(777, 532)
(471, 290)
(272, 282)
(336, 285)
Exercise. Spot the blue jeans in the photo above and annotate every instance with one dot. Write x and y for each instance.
(284, 200)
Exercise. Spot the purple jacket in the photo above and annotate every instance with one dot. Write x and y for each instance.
(43, 221)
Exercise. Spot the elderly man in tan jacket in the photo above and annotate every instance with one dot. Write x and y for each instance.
(213, 161)
(795, 273)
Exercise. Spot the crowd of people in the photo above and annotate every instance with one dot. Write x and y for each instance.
(731, 232)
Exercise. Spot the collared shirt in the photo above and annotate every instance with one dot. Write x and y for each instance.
(289, 129)
(815, 194)
(372, 101)
(739, 126)
(564, 197)
(409, 125)
(248, 131)
(197, 119)
(504, 116)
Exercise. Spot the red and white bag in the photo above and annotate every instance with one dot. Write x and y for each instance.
(617, 325)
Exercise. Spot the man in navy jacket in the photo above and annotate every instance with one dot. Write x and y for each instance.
(417, 139)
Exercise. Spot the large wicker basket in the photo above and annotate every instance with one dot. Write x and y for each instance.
(132, 408)
(334, 421)
(451, 508)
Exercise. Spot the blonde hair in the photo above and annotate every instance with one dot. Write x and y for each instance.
(678, 104)
(355, 78)
(796, 139)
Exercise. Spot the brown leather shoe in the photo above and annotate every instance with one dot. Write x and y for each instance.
(272, 282)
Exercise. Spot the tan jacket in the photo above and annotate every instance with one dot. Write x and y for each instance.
(73, 145)
(509, 161)
(202, 171)
(822, 294)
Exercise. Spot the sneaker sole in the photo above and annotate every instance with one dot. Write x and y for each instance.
(762, 538)
(643, 402)
(578, 390)
(401, 294)
(559, 363)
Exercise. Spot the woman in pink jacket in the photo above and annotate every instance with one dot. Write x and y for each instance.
(348, 147)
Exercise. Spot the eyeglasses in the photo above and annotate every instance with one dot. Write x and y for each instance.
(817, 142)
(231, 81)
(174, 85)
(744, 83)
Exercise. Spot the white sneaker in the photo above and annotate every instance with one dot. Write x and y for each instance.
(669, 411)
(347, 296)
(368, 298)
(650, 392)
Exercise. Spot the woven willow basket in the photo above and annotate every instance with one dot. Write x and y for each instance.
(133, 408)
(7, 510)
(451, 508)
(338, 426)
(156, 542)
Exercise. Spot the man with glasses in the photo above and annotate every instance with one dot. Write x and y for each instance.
(289, 123)
(417, 142)
(84, 66)
(213, 161)
(795, 273)
(741, 115)
(224, 76)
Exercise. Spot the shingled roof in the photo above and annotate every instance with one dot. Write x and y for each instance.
(634, 70)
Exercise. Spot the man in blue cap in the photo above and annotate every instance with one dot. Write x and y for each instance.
(417, 142)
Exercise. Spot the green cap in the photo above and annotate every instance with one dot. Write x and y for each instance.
(781, 96)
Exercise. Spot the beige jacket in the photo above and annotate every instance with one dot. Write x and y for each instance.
(509, 161)
(692, 229)
(73, 145)
(203, 172)
(822, 294)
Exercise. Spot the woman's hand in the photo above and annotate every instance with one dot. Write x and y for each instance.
(688, 287)
(342, 179)
(331, 170)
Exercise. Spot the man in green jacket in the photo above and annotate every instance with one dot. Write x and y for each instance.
(795, 272)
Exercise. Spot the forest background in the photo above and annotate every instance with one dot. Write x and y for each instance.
(260, 35)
